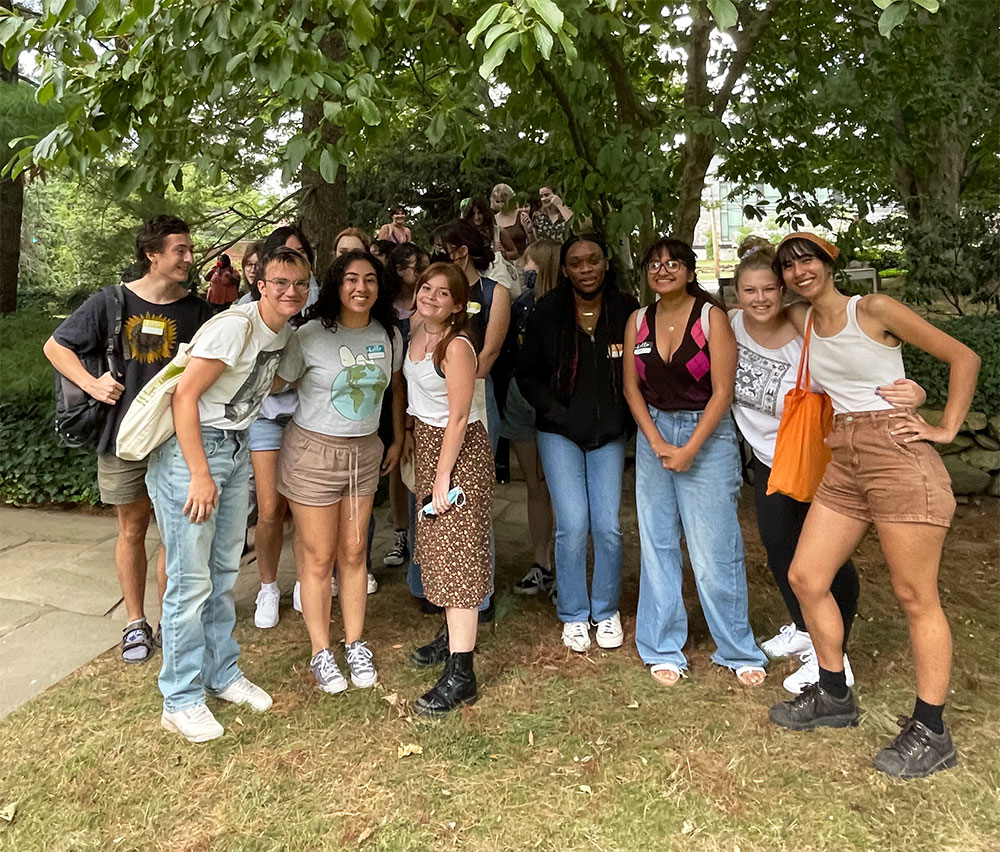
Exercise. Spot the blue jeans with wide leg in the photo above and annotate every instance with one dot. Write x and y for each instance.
(203, 561)
(699, 503)
(586, 490)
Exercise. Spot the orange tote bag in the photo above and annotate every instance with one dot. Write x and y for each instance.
(800, 453)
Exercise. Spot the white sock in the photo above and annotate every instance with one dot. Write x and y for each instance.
(271, 587)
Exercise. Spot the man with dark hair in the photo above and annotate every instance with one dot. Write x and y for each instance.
(199, 483)
(159, 314)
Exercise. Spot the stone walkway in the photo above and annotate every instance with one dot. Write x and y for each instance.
(60, 603)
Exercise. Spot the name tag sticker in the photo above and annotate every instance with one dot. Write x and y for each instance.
(375, 352)
(153, 326)
(643, 348)
(616, 350)
(473, 308)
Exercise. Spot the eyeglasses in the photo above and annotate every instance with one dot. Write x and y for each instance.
(655, 266)
(282, 284)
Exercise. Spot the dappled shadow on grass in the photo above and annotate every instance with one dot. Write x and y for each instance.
(562, 752)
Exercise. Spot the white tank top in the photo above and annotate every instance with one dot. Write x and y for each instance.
(427, 392)
(763, 377)
(850, 365)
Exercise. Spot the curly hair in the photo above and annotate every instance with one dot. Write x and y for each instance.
(327, 307)
(151, 236)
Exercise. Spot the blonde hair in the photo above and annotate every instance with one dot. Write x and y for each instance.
(754, 253)
(545, 254)
(505, 192)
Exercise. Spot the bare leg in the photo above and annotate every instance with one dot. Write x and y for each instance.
(271, 506)
(539, 504)
(397, 501)
(130, 555)
(913, 552)
(316, 531)
(161, 573)
(827, 540)
(352, 570)
(462, 627)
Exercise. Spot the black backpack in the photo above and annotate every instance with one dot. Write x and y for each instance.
(79, 417)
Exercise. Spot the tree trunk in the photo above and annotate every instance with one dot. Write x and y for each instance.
(11, 209)
(323, 206)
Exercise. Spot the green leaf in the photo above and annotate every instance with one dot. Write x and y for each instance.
(550, 13)
(485, 20)
(527, 53)
(296, 150)
(327, 166)
(436, 129)
(724, 12)
(495, 55)
(544, 40)
(892, 17)
(369, 112)
(495, 32)
(883, 4)
(930, 5)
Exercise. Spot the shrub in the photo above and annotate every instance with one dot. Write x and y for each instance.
(982, 335)
(34, 466)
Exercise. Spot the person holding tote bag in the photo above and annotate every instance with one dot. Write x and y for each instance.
(885, 472)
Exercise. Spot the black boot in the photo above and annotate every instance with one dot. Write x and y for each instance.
(435, 651)
(457, 686)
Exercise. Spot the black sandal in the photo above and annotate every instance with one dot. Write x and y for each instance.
(137, 635)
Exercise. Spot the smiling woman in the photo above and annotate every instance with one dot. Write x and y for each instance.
(343, 358)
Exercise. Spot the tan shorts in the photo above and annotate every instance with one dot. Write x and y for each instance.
(121, 482)
(874, 477)
(320, 470)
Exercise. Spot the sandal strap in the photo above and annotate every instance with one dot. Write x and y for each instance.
(145, 642)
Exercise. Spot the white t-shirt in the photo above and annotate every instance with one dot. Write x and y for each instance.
(251, 357)
(342, 375)
(763, 377)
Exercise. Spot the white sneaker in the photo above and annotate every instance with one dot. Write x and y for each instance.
(242, 691)
(576, 635)
(787, 642)
(196, 724)
(372, 584)
(297, 597)
(334, 588)
(609, 632)
(808, 673)
(327, 674)
(266, 614)
(359, 660)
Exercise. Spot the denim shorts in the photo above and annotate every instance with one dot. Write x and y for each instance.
(265, 434)
(518, 421)
(873, 476)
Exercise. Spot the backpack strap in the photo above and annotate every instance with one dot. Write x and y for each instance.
(114, 304)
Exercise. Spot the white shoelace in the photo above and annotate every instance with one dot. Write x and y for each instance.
(326, 667)
(359, 658)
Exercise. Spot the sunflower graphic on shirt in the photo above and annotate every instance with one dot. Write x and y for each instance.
(151, 337)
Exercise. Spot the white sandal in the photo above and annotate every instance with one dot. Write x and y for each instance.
(667, 667)
(742, 670)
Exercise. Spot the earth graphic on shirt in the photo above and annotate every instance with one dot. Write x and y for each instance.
(357, 390)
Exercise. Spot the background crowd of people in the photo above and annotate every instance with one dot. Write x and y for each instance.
(412, 365)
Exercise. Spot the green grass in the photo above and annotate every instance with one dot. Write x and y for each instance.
(562, 752)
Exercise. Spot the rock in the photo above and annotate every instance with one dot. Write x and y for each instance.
(975, 421)
(931, 415)
(988, 460)
(961, 442)
(993, 423)
(986, 442)
(994, 487)
(965, 479)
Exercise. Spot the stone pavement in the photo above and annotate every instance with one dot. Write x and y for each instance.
(61, 606)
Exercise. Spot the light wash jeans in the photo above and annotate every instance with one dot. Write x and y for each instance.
(699, 503)
(586, 490)
(203, 560)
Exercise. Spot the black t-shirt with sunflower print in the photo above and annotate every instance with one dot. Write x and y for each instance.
(151, 334)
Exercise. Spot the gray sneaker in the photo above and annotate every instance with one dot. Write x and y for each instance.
(917, 752)
(359, 659)
(328, 676)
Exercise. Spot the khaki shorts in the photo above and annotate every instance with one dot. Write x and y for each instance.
(874, 476)
(320, 470)
(121, 482)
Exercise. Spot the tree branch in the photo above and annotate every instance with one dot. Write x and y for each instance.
(575, 130)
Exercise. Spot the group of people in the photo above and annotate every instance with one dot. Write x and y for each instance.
(414, 365)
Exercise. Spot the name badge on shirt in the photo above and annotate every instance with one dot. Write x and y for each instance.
(643, 348)
(473, 308)
(153, 326)
(616, 350)
(375, 352)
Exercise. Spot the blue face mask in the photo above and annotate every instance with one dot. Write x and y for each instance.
(530, 276)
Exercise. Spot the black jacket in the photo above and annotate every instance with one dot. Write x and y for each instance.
(573, 380)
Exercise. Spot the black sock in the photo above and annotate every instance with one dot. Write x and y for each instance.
(929, 715)
(833, 683)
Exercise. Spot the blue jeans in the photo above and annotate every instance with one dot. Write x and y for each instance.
(699, 503)
(203, 560)
(586, 490)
